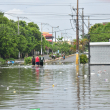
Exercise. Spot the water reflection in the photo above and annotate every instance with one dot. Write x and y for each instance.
(78, 85)
(55, 86)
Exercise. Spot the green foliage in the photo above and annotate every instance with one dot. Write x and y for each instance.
(83, 58)
(100, 33)
(11, 43)
(50, 55)
(2, 60)
(59, 39)
(27, 60)
(57, 56)
(10, 59)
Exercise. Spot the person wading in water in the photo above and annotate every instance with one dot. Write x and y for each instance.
(41, 60)
(33, 61)
(37, 61)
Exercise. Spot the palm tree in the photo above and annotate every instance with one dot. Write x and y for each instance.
(83, 42)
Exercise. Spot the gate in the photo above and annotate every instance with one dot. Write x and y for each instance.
(99, 53)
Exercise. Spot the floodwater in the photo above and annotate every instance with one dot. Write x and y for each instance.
(56, 86)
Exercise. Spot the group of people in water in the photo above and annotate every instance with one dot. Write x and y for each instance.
(38, 61)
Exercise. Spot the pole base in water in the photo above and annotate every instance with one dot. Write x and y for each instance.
(77, 58)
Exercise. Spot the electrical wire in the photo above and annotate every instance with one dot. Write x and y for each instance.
(35, 4)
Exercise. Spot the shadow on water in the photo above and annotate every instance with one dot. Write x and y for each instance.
(56, 86)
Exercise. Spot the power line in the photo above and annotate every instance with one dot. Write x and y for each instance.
(35, 4)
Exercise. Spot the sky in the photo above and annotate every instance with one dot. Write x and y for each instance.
(57, 14)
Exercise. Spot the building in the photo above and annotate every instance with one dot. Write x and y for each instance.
(48, 36)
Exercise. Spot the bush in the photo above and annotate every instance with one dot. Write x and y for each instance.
(57, 56)
(10, 59)
(50, 55)
(27, 60)
(83, 59)
(45, 52)
(2, 60)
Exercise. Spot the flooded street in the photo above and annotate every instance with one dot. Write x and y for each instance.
(56, 86)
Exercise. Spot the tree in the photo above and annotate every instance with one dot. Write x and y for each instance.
(8, 42)
(100, 33)
(31, 24)
(83, 43)
(11, 43)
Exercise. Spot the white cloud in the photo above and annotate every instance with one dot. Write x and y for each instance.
(13, 14)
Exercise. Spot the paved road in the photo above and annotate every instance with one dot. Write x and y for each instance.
(46, 57)
(69, 59)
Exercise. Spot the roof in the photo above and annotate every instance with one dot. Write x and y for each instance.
(99, 43)
(47, 35)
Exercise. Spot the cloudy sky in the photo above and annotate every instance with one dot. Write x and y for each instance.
(56, 13)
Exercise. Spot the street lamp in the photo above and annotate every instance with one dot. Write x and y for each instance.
(55, 33)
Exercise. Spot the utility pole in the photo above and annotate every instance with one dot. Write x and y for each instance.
(41, 38)
(52, 40)
(82, 23)
(18, 25)
(88, 24)
(55, 36)
(20, 41)
(52, 36)
(77, 36)
(77, 30)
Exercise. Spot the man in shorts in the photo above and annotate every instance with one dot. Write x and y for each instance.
(41, 60)
(37, 61)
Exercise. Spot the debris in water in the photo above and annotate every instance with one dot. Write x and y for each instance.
(14, 91)
(92, 73)
(65, 89)
(99, 74)
(85, 76)
(7, 88)
(53, 85)
(106, 80)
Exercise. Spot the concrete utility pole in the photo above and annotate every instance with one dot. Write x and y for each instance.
(41, 38)
(55, 36)
(77, 36)
(82, 23)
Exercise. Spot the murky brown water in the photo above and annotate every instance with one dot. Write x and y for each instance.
(54, 87)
